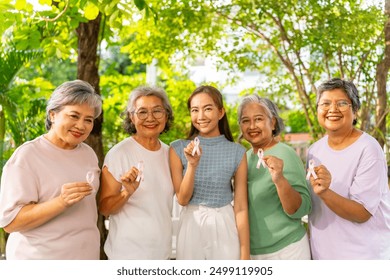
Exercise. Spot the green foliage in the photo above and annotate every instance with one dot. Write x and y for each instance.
(16, 108)
(178, 90)
(295, 120)
(115, 90)
(293, 45)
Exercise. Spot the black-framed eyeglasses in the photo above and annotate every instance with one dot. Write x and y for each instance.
(143, 114)
(341, 105)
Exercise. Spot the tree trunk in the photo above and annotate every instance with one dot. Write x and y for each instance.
(381, 80)
(87, 70)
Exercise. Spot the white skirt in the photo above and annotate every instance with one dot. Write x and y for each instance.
(207, 233)
(299, 250)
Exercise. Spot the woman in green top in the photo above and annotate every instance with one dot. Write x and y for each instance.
(278, 194)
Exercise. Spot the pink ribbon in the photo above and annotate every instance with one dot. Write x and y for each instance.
(89, 177)
(260, 154)
(140, 167)
(311, 170)
(196, 150)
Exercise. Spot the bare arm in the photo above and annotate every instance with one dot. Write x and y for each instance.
(36, 214)
(345, 208)
(241, 208)
(112, 197)
(184, 185)
(290, 199)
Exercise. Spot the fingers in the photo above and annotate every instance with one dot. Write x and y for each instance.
(130, 175)
(72, 193)
(273, 163)
(129, 180)
(190, 148)
(192, 159)
(323, 180)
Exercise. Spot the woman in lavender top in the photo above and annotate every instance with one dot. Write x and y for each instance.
(351, 198)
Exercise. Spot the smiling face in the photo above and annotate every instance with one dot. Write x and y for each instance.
(205, 115)
(334, 119)
(71, 126)
(256, 125)
(154, 123)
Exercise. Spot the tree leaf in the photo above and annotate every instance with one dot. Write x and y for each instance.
(45, 2)
(20, 4)
(140, 4)
(91, 11)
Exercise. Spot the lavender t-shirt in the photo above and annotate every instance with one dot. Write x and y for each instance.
(359, 173)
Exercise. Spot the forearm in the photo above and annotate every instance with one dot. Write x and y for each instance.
(113, 204)
(34, 215)
(186, 187)
(345, 208)
(243, 232)
(290, 199)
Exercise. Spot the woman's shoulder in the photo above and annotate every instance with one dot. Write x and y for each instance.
(285, 151)
(368, 139)
(285, 148)
(238, 146)
(118, 147)
(323, 141)
(29, 150)
(369, 143)
(179, 143)
(86, 148)
(234, 148)
(26, 148)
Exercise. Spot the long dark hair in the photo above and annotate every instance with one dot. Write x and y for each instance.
(223, 123)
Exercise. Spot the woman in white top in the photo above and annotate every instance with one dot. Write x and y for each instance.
(137, 190)
(48, 187)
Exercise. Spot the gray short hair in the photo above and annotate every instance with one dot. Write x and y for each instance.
(138, 92)
(347, 87)
(72, 93)
(270, 107)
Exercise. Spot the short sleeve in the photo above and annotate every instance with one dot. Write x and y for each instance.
(18, 188)
(178, 146)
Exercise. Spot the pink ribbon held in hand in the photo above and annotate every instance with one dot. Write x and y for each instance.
(89, 177)
(140, 167)
(311, 170)
(260, 154)
(196, 150)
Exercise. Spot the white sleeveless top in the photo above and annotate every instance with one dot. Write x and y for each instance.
(142, 229)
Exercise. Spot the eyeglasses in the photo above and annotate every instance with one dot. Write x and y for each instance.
(341, 105)
(143, 114)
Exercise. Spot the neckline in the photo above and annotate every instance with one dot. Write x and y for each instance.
(144, 148)
(345, 148)
(211, 140)
(54, 146)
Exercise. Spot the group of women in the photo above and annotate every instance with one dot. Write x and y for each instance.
(237, 203)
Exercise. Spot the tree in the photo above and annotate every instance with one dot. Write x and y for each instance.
(11, 62)
(295, 44)
(382, 71)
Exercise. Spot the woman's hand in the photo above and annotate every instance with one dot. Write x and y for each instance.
(129, 180)
(192, 159)
(72, 193)
(322, 183)
(275, 167)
